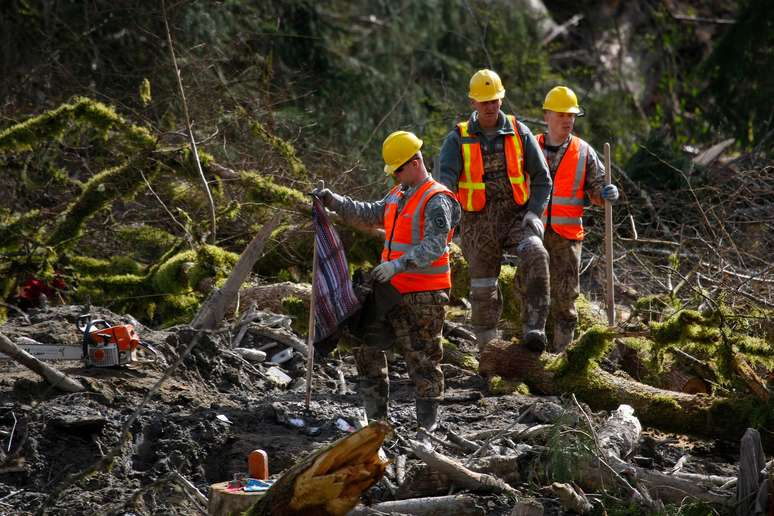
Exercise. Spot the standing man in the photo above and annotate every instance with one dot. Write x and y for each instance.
(496, 167)
(417, 215)
(575, 170)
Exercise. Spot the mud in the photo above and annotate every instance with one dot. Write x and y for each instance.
(211, 412)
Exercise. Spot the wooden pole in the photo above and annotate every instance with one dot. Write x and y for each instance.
(310, 342)
(609, 243)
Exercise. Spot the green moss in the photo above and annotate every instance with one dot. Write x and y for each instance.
(51, 126)
(459, 272)
(298, 310)
(144, 92)
(121, 181)
(499, 386)
(452, 354)
(146, 242)
(262, 189)
(756, 349)
(115, 265)
(211, 262)
(511, 300)
(283, 147)
(177, 309)
(171, 276)
(587, 351)
(589, 315)
(186, 270)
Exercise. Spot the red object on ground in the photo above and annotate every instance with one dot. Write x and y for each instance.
(258, 465)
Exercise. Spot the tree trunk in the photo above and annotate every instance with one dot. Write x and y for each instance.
(672, 411)
(212, 311)
(329, 481)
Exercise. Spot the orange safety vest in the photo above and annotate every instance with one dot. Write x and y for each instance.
(471, 189)
(405, 229)
(565, 210)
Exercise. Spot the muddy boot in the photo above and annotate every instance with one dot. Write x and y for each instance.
(375, 408)
(563, 335)
(427, 413)
(484, 336)
(535, 340)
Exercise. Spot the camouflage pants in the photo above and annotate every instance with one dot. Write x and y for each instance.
(486, 235)
(565, 257)
(417, 323)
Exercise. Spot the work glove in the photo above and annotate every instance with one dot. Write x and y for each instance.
(322, 193)
(610, 193)
(385, 270)
(534, 224)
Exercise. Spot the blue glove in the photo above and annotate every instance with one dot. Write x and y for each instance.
(322, 193)
(385, 270)
(534, 223)
(610, 193)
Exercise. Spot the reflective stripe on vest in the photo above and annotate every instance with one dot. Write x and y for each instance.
(471, 190)
(405, 230)
(565, 211)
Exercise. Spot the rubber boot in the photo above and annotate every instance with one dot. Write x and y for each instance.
(427, 413)
(535, 340)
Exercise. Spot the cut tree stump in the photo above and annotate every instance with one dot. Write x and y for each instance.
(329, 481)
(225, 502)
(668, 410)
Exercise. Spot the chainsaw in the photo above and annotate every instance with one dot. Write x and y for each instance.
(103, 345)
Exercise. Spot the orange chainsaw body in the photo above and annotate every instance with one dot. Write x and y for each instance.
(112, 346)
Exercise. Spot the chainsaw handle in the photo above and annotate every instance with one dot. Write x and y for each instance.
(85, 322)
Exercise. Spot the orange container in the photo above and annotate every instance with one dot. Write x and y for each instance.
(258, 465)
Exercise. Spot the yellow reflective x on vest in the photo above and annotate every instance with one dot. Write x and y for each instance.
(471, 189)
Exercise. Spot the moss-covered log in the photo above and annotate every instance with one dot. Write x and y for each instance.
(578, 373)
(52, 125)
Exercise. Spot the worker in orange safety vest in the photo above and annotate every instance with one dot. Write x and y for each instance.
(494, 164)
(576, 173)
(418, 215)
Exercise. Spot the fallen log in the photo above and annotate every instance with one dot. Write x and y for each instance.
(617, 439)
(269, 297)
(577, 372)
(52, 375)
(329, 481)
(281, 335)
(460, 476)
(462, 505)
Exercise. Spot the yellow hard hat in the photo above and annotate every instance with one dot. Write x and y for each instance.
(398, 148)
(486, 85)
(562, 100)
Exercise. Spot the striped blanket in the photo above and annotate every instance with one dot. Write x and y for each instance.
(334, 298)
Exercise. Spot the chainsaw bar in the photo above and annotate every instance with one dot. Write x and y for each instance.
(49, 352)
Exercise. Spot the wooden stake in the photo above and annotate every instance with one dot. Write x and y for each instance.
(310, 341)
(609, 243)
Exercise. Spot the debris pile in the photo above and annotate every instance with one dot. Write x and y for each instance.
(133, 442)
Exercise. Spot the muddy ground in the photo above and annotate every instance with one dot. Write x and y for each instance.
(215, 409)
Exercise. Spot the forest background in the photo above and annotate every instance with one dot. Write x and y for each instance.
(100, 188)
